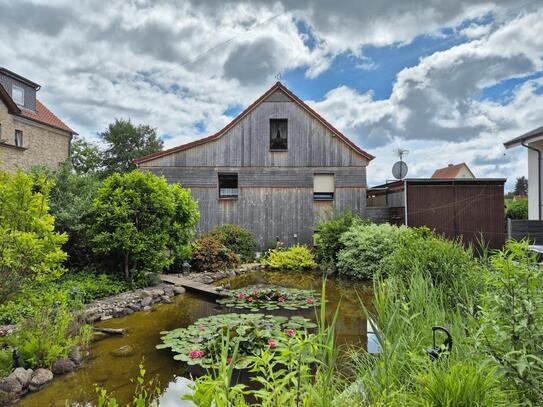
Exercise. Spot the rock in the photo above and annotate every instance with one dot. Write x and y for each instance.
(75, 356)
(40, 378)
(146, 301)
(128, 311)
(207, 280)
(165, 299)
(63, 366)
(10, 384)
(7, 398)
(123, 351)
(147, 308)
(118, 312)
(145, 293)
(134, 307)
(22, 375)
(169, 291)
(178, 290)
(105, 317)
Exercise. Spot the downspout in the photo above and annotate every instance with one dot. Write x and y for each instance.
(405, 201)
(538, 175)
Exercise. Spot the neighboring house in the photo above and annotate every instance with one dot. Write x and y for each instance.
(454, 171)
(30, 134)
(274, 170)
(533, 141)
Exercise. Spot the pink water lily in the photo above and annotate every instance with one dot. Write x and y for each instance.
(309, 300)
(272, 343)
(241, 296)
(195, 354)
(250, 299)
(291, 333)
(281, 299)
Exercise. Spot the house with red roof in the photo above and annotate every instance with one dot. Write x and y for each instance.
(276, 169)
(454, 171)
(30, 134)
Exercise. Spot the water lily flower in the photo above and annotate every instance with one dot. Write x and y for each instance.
(250, 299)
(241, 296)
(291, 333)
(195, 354)
(309, 300)
(281, 299)
(272, 343)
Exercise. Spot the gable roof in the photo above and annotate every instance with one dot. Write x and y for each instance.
(249, 109)
(41, 115)
(530, 136)
(451, 171)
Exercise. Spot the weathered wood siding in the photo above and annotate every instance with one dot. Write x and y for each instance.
(275, 188)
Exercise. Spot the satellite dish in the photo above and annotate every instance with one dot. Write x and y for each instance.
(399, 170)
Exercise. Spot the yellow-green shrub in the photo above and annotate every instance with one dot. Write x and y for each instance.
(297, 257)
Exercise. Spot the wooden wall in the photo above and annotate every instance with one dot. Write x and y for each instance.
(275, 188)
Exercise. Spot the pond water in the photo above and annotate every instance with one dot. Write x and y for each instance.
(114, 373)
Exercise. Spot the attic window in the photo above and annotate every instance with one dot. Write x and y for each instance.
(323, 187)
(278, 134)
(228, 186)
(18, 95)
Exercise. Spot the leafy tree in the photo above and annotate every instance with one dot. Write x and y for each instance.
(86, 157)
(521, 186)
(142, 223)
(124, 142)
(30, 249)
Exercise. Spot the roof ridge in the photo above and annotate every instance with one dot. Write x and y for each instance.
(277, 86)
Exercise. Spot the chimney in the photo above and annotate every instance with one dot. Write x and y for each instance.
(451, 165)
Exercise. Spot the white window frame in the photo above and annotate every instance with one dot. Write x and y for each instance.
(18, 88)
(18, 138)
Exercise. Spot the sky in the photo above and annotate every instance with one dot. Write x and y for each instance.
(449, 81)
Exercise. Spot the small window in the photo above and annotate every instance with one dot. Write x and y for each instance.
(228, 186)
(19, 138)
(18, 95)
(323, 187)
(278, 134)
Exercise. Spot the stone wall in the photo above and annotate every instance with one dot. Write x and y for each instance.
(41, 144)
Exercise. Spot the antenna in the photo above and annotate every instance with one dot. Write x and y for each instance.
(399, 169)
(401, 153)
(278, 77)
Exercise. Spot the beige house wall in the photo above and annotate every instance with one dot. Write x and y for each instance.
(42, 144)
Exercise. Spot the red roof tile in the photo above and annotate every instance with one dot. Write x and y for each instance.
(45, 116)
(449, 172)
(219, 134)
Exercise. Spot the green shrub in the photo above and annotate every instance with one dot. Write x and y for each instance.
(142, 223)
(208, 254)
(30, 249)
(239, 240)
(366, 247)
(446, 263)
(517, 209)
(50, 335)
(297, 257)
(327, 236)
(512, 318)
(6, 362)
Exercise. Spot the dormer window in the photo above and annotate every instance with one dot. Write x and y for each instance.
(18, 95)
(278, 134)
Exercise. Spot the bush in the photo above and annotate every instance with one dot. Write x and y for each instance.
(366, 247)
(30, 249)
(50, 335)
(297, 257)
(517, 209)
(142, 223)
(446, 263)
(327, 236)
(239, 240)
(6, 362)
(208, 254)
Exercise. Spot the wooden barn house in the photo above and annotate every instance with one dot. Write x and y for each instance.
(274, 170)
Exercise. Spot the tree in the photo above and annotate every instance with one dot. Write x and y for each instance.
(30, 249)
(124, 142)
(142, 223)
(521, 187)
(86, 157)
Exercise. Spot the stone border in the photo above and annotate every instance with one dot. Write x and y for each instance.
(22, 380)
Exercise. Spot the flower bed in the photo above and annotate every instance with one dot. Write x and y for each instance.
(270, 298)
(200, 343)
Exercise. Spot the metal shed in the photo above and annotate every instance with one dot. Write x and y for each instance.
(470, 209)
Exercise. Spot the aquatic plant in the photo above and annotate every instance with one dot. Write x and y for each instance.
(200, 343)
(270, 298)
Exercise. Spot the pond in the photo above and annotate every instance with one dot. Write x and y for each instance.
(114, 373)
